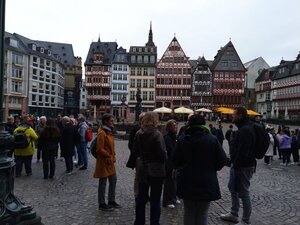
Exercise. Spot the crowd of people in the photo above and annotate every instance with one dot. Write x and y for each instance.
(177, 167)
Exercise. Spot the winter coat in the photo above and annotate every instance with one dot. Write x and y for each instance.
(170, 142)
(242, 145)
(31, 137)
(285, 142)
(68, 139)
(198, 156)
(106, 156)
(149, 145)
(271, 146)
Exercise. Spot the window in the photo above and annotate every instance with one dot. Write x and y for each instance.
(234, 63)
(145, 83)
(151, 96)
(17, 72)
(151, 84)
(115, 76)
(132, 95)
(119, 76)
(139, 59)
(224, 63)
(138, 83)
(133, 59)
(145, 95)
(17, 59)
(152, 58)
(40, 98)
(16, 86)
(132, 83)
(33, 97)
(146, 59)
(139, 71)
(115, 97)
(132, 71)
(115, 67)
(124, 77)
(151, 71)
(115, 87)
(124, 68)
(145, 71)
(120, 67)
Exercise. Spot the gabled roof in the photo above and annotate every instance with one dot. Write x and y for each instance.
(193, 62)
(266, 74)
(65, 51)
(20, 47)
(229, 47)
(284, 69)
(26, 42)
(124, 56)
(202, 61)
(108, 49)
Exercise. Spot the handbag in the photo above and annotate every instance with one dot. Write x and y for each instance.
(156, 169)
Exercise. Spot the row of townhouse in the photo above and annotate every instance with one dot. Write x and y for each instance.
(41, 78)
(278, 90)
(114, 77)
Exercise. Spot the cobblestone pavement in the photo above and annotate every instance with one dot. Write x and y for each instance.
(72, 199)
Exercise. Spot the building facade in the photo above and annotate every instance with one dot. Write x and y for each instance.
(286, 89)
(46, 80)
(142, 67)
(254, 68)
(173, 78)
(119, 84)
(201, 96)
(15, 78)
(83, 103)
(263, 92)
(228, 78)
(98, 74)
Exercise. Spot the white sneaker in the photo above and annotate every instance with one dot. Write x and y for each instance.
(243, 223)
(171, 206)
(282, 164)
(229, 217)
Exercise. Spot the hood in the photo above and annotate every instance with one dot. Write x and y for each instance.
(193, 133)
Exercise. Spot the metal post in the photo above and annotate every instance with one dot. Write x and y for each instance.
(2, 32)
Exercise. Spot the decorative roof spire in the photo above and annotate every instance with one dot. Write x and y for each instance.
(99, 38)
(150, 42)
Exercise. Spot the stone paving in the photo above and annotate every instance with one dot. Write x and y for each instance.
(72, 199)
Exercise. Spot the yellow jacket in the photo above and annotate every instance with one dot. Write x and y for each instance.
(31, 137)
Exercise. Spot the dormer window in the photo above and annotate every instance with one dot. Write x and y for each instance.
(13, 42)
(33, 47)
(98, 58)
(49, 52)
(42, 50)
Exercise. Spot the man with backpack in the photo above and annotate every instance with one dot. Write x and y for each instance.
(242, 155)
(24, 146)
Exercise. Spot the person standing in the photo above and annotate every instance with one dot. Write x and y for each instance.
(169, 191)
(150, 146)
(39, 128)
(67, 143)
(105, 164)
(270, 150)
(228, 134)
(10, 127)
(243, 161)
(220, 135)
(48, 144)
(24, 155)
(197, 157)
(82, 145)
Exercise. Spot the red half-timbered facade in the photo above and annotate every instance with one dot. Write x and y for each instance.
(173, 78)
(228, 78)
(98, 77)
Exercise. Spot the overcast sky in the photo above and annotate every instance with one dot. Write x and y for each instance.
(267, 28)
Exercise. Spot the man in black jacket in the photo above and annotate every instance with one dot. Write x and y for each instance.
(243, 165)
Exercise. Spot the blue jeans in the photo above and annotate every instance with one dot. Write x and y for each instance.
(239, 184)
(19, 164)
(82, 153)
(155, 187)
(195, 212)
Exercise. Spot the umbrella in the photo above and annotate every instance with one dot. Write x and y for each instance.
(163, 110)
(224, 110)
(183, 110)
(203, 110)
(252, 113)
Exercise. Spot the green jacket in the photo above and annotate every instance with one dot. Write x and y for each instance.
(31, 137)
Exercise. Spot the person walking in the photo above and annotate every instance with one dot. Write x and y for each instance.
(48, 144)
(270, 150)
(228, 134)
(243, 166)
(294, 147)
(220, 135)
(150, 146)
(197, 157)
(105, 164)
(24, 155)
(169, 191)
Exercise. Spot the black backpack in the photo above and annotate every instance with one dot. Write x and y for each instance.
(93, 147)
(21, 139)
(262, 141)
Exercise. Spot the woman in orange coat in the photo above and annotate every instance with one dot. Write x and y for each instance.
(105, 164)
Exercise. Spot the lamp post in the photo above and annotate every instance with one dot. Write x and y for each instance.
(12, 209)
